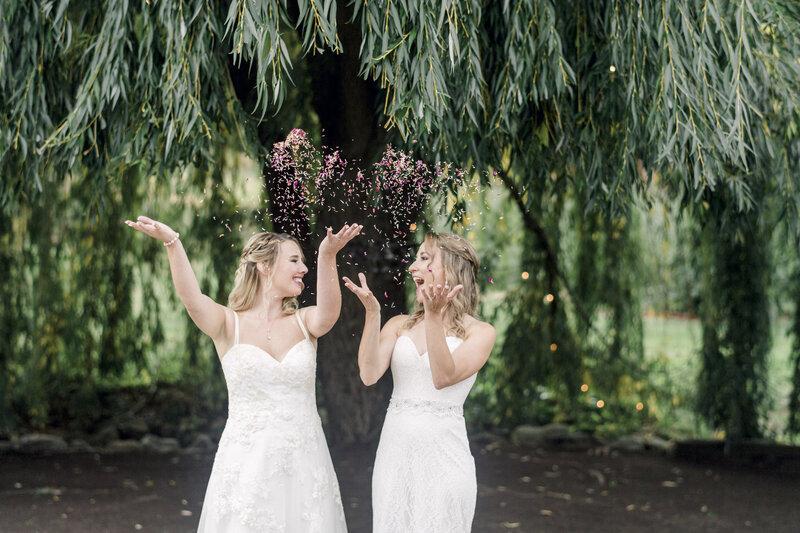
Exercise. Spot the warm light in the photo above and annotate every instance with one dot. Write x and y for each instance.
(553, 347)
(612, 68)
(601, 404)
(525, 275)
(549, 298)
(413, 227)
(639, 406)
(584, 387)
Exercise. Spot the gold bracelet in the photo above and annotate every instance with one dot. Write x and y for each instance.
(173, 241)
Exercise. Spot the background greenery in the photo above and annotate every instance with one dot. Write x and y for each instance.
(636, 159)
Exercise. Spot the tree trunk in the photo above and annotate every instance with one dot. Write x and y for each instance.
(345, 104)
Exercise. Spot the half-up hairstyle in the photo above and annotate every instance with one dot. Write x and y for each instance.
(461, 264)
(262, 247)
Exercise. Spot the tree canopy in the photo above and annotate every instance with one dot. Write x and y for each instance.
(580, 103)
(704, 91)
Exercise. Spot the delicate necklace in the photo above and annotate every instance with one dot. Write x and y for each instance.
(263, 316)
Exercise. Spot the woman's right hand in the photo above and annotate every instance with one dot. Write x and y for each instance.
(153, 228)
(364, 294)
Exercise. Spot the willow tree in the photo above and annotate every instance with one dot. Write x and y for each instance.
(583, 96)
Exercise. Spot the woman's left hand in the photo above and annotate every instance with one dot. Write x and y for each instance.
(436, 297)
(333, 242)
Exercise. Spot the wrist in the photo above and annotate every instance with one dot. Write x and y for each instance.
(173, 240)
(434, 317)
(327, 253)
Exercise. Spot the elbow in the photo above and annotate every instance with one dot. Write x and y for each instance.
(367, 379)
(440, 383)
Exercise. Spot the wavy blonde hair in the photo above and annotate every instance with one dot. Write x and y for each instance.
(461, 264)
(264, 247)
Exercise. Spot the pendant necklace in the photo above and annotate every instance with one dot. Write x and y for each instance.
(262, 316)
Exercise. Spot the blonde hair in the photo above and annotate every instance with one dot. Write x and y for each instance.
(461, 264)
(262, 247)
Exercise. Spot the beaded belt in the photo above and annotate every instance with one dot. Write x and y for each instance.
(426, 406)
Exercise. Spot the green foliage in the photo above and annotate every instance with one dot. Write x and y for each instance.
(580, 102)
(73, 319)
(671, 284)
(794, 399)
(563, 350)
(732, 389)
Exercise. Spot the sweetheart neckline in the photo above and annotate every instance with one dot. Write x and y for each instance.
(420, 354)
(259, 348)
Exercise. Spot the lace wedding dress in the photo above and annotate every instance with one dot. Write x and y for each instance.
(424, 477)
(272, 471)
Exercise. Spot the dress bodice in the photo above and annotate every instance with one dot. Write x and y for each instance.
(411, 372)
(272, 472)
(264, 392)
(424, 475)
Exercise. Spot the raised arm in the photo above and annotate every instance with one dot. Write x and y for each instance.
(208, 315)
(321, 317)
(451, 368)
(375, 348)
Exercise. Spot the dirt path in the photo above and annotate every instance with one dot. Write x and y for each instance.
(520, 490)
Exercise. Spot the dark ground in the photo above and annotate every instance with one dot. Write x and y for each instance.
(520, 490)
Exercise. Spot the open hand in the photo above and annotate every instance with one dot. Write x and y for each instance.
(436, 297)
(333, 242)
(153, 228)
(364, 294)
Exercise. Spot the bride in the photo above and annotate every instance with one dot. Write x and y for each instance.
(272, 471)
(424, 476)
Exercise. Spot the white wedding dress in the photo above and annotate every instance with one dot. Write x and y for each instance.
(424, 477)
(273, 471)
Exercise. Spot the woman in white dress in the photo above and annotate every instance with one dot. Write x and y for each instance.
(424, 476)
(272, 471)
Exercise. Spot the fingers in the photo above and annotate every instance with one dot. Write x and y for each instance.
(135, 225)
(363, 292)
(350, 285)
(452, 293)
(363, 279)
(347, 232)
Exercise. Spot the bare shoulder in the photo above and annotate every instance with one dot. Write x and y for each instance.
(479, 329)
(394, 324)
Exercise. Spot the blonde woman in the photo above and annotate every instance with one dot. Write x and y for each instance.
(272, 471)
(424, 476)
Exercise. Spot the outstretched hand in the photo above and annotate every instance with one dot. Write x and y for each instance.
(364, 294)
(436, 297)
(153, 228)
(333, 242)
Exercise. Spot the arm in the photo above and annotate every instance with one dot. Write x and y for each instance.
(321, 317)
(208, 315)
(375, 348)
(451, 368)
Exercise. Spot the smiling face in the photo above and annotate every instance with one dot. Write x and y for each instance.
(428, 268)
(286, 274)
